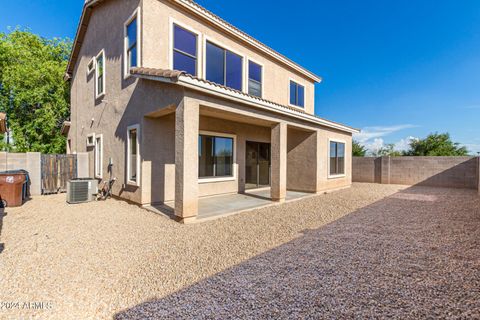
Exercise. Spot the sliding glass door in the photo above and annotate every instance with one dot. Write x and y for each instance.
(257, 165)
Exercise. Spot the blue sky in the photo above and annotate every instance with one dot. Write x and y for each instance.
(396, 69)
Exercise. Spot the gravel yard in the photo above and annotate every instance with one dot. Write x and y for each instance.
(371, 251)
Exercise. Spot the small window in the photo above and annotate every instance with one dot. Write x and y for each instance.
(215, 156)
(254, 79)
(297, 94)
(184, 50)
(224, 67)
(91, 140)
(98, 156)
(91, 66)
(337, 158)
(133, 160)
(131, 44)
(100, 74)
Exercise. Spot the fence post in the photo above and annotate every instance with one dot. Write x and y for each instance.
(385, 170)
(34, 168)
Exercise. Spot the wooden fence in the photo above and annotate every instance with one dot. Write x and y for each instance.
(57, 169)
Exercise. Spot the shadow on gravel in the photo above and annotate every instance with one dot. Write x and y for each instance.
(415, 254)
(2, 214)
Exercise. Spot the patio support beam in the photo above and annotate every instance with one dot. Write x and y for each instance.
(186, 159)
(279, 162)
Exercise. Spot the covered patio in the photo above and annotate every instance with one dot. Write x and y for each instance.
(263, 161)
(214, 207)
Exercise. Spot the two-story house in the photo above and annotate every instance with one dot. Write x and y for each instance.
(178, 104)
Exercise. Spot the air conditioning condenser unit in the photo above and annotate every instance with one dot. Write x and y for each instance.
(81, 190)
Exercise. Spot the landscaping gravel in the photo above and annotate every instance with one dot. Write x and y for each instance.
(372, 251)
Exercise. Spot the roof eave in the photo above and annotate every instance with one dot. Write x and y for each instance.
(197, 84)
(82, 25)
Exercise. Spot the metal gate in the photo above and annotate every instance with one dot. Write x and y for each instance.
(57, 169)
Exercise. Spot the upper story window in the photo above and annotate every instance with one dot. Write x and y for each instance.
(254, 79)
(224, 67)
(337, 158)
(184, 50)
(297, 94)
(100, 74)
(132, 57)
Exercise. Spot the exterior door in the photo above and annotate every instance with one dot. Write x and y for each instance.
(257, 165)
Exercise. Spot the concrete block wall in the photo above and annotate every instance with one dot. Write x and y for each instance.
(452, 172)
(34, 168)
(12, 161)
(365, 170)
(32, 162)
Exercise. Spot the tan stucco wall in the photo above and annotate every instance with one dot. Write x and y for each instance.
(302, 160)
(302, 170)
(127, 101)
(105, 32)
(159, 156)
(157, 17)
(324, 181)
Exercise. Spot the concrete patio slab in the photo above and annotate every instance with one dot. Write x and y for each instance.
(225, 205)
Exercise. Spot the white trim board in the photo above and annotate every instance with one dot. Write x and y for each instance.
(104, 79)
(98, 170)
(138, 164)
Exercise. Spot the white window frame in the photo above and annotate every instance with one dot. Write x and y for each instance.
(304, 94)
(98, 157)
(172, 23)
(104, 82)
(225, 47)
(248, 75)
(135, 15)
(235, 166)
(342, 175)
(138, 164)
(91, 136)
(92, 63)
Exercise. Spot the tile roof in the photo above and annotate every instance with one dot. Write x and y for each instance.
(164, 73)
(174, 76)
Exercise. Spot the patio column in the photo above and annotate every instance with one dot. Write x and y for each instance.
(279, 162)
(186, 159)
